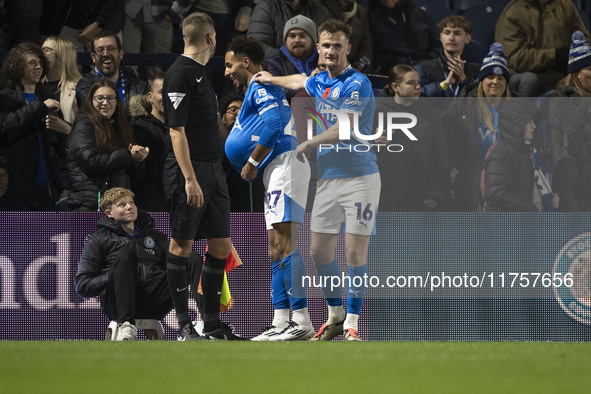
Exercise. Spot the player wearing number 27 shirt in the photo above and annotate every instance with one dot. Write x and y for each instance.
(348, 187)
(262, 143)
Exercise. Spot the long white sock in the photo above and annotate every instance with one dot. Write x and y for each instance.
(302, 317)
(351, 321)
(336, 314)
(281, 317)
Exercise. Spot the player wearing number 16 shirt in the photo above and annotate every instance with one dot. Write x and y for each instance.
(262, 143)
(348, 188)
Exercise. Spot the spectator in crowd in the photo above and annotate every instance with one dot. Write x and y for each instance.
(8, 202)
(515, 178)
(84, 19)
(355, 15)
(536, 37)
(267, 22)
(60, 82)
(572, 174)
(417, 178)
(446, 75)
(101, 150)
(24, 106)
(402, 34)
(298, 55)
(230, 18)
(107, 53)
(568, 114)
(62, 75)
(124, 262)
(571, 134)
(472, 126)
(244, 196)
(150, 131)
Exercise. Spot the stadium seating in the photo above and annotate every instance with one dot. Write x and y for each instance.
(152, 329)
(460, 6)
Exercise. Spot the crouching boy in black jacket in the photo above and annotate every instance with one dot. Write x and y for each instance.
(124, 262)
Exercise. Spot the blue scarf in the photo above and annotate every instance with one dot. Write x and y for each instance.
(121, 82)
(305, 66)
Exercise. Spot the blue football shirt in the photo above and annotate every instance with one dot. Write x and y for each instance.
(265, 118)
(349, 92)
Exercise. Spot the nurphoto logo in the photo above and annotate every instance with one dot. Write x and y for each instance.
(387, 122)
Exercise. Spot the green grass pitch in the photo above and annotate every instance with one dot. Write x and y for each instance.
(303, 367)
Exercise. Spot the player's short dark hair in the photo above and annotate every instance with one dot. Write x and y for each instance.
(247, 47)
(455, 21)
(103, 34)
(333, 26)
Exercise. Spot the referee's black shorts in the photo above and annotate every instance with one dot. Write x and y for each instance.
(212, 220)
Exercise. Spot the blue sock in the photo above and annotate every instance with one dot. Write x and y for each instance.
(294, 269)
(279, 296)
(355, 293)
(326, 272)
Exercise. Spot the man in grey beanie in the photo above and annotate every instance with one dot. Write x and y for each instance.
(298, 55)
(269, 17)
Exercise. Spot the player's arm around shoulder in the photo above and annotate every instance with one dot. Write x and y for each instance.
(293, 82)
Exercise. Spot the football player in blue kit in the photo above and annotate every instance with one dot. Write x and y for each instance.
(348, 187)
(262, 143)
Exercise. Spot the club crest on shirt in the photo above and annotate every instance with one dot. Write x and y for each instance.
(149, 242)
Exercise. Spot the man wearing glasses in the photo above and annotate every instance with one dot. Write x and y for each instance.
(106, 53)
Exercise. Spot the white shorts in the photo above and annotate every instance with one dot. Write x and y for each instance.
(349, 201)
(286, 181)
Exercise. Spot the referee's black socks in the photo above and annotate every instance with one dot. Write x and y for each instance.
(178, 285)
(212, 279)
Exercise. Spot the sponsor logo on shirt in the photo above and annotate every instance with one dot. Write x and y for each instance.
(176, 98)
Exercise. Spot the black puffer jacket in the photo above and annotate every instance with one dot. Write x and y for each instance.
(92, 172)
(21, 128)
(102, 246)
(460, 125)
(568, 112)
(509, 179)
(572, 174)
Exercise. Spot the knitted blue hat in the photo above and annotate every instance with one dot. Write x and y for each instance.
(579, 56)
(494, 63)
